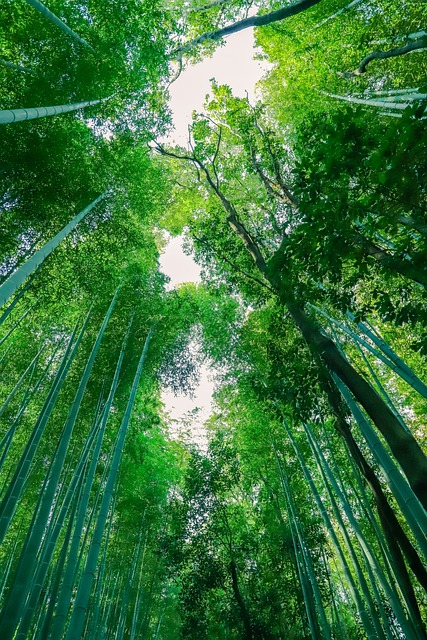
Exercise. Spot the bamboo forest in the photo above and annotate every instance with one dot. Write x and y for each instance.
(296, 507)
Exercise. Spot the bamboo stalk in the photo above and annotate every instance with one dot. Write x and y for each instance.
(12, 284)
(23, 575)
(79, 612)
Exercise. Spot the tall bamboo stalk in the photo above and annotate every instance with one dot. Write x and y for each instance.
(65, 593)
(17, 386)
(13, 494)
(49, 543)
(29, 393)
(17, 323)
(373, 566)
(317, 604)
(361, 609)
(385, 354)
(18, 297)
(12, 610)
(43, 629)
(78, 615)
(408, 502)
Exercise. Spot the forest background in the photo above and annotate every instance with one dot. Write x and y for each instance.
(305, 517)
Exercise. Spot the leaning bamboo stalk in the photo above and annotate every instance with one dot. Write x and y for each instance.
(83, 593)
(363, 501)
(373, 607)
(25, 401)
(391, 354)
(23, 574)
(102, 584)
(129, 584)
(18, 297)
(8, 116)
(50, 541)
(397, 106)
(380, 386)
(7, 439)
(43, 631)
(52, 535)
(15, 67)
(17, 323)
(386, 354)
(138, 599)
(3, 356)
(36, 4)
(8, 288)
(7, 570)
(390, 538)
(389, 92)
(408, 502)
(337, 13)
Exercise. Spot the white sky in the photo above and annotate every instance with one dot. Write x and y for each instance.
(231, 64)
(176, 265)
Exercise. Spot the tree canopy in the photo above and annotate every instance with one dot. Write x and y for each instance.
(302, 513)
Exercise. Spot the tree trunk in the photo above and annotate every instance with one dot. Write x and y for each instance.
(411, 45)
(253, 21)
(405, 448)
(392, 263)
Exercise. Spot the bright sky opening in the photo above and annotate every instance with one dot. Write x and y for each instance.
(232, 64)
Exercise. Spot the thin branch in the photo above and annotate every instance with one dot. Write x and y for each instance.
(222, 256)
(287, 195)
(215, 157)
(232, 216)
(268, 187)
(164, 152)
(178, 73)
